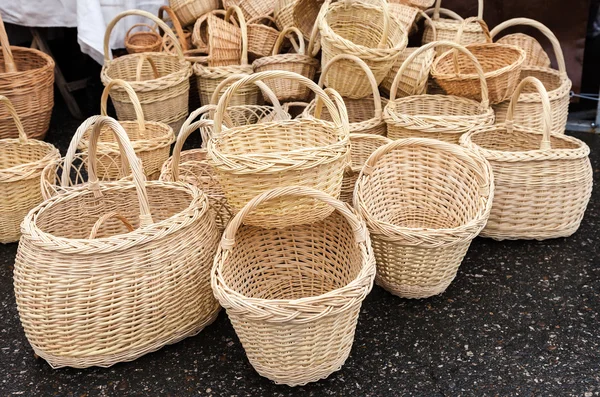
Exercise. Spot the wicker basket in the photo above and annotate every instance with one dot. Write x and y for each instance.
(366, 31)
(296, 318)
(151, 140)
(447, 28)
(423, 201)
(143, 41)
(286, 89)
(306, 152)
(191, 166)
(252, 8)
(183, 37)
(530, 112)
(501, 64)
(535, 54)
(364, 114)
(414, 79)
(544, 181)
(423, 4)
(200, 30)
(27, 80)
(188, 11)
(160, 80)
(305, 14)
(261, 37)
(21, 163)
(284, 13)
(443, 117)
(361, 147)
(405, 14)
(109, 294)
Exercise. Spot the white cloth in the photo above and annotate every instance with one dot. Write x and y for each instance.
(89, 16)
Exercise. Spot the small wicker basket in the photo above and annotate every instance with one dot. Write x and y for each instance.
(423, 201)
(296, 318)
(143, 41)
(261, 36)
(543, 181)
(284, 13)
(21, 163)
(188, 11)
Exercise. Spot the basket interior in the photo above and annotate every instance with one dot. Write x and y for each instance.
(551, 79)
(294, 262)
(435, 105)
(491, 57)
(13, 153)
(143, 38)
(25, 59)
(277, 137)
(422, 187)
(516, 141)
(125, 67)
(74, 218)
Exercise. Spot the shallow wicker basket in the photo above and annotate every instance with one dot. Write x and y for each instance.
(414, 79)
(306, 152)
(143, 41)
(423, 201)
(443, 117)
(261, 36)
(543, 181)
(21, 163)
(160, 80)
(296, 318)
(361, 147)
(301, 63)
(27, 80)
(365, 30)
(150, 140)
(530, 112)
(364, 115)
(112, 294)
(188, 11)
(446, 28)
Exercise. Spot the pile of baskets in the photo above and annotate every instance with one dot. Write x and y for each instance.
(398, 158)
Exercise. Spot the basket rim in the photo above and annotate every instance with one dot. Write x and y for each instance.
(285, 58)
(197, 208)
(216, 72)
(563, 89)
(30, 169)
(147, 144)
(356, 127)
(452, 24)
(50, 64)
(581, 151)
(473, 76)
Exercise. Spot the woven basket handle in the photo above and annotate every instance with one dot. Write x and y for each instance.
(485, 103)
(184, 133)
(368, 73)
(104, 218)
(461, 153)
(9, 62)
(137, 107)
(13, 113)
(546, 112)
(228, 239)
(139, 25)
(481, 22)
(438, 4)
(140, 64)
(339, 101)
(288, 31)
(429, 21)
(243, 28)
(176, 24)
(334, 111)
(445, 12)
(144, 14)
(558, 52)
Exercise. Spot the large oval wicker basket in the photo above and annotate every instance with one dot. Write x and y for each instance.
(296, 318)
(543, 181)
(22, 161)
(160, 80)
(110, 271)
(423, 201)
(443, 117)
(27, 80)
(306, 152)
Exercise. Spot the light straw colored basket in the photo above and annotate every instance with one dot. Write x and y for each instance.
(160, 80)
(150, 140)
(501, 64)
(21, 163)
(423, 4)
(252, 8)
(364, 115)
(405, 14)
(261, 36)
(361, 147)
(535, 54)
(110, 294)
(414, 79)
(305, 15)
(27, 80)
(143, 41)
(296, 317)
(443, 117)
(300, 63)
(366, 31)
(284, 13)
(225, 38)
(543, 181)
(200, 30)
(530, 112)
(188, 11)
(305, 152)
(447, 28)
(191, 166)
(423, 201)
